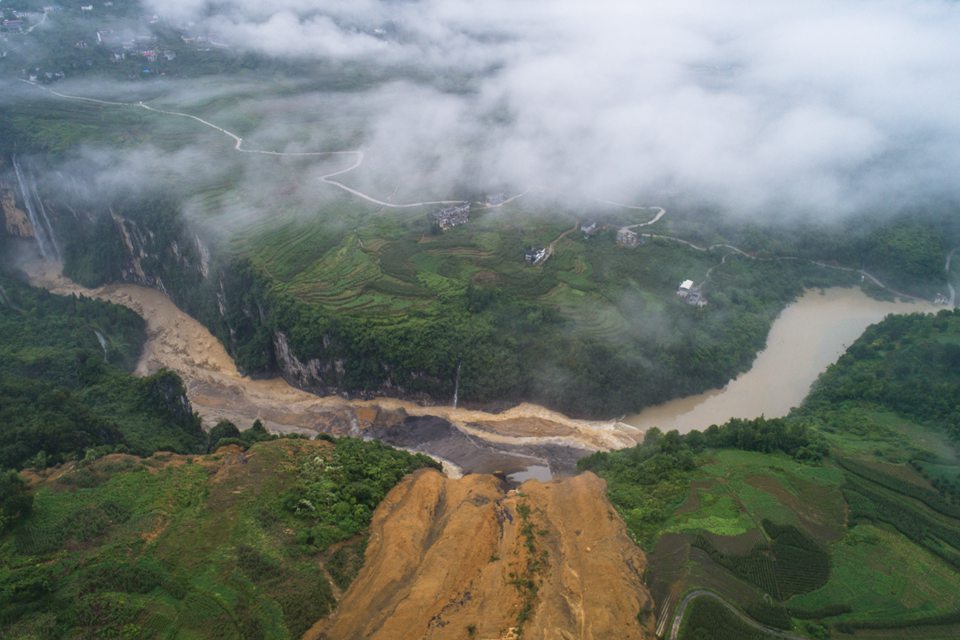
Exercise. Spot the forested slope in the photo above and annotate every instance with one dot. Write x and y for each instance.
(844, 516)
(66, 387)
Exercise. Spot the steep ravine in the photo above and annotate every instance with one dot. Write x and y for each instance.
(465, 559)
(447, 558)
(472, 440)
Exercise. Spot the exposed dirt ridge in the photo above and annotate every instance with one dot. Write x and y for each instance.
(464, 559)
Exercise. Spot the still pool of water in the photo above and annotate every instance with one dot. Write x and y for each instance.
(807, 337)
(533, 472)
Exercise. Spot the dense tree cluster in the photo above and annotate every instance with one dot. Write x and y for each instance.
(63, 385)
(335, 495)
(906, 364)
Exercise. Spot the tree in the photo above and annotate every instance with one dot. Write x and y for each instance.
(223, 429)
(15, 499)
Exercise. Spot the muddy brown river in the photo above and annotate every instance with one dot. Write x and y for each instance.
(809, 336)
(527, 441)
(523, 441)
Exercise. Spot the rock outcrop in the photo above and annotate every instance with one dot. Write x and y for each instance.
(15, 220)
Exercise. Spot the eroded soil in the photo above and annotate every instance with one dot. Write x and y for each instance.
(467, 558)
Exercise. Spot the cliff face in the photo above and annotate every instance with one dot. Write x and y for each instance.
(148, 242)
(462, 558)
(16, 221)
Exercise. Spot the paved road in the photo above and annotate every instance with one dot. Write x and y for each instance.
(359, 157)
(865, 274)
(703, 593)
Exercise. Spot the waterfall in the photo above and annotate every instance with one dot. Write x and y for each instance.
(103, 343)
(456, 385)
(42, 229)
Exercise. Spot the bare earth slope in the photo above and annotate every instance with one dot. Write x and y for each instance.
(454, 558)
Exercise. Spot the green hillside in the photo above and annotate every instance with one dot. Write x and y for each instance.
(843, 517)
(65, 386)
(235, 544)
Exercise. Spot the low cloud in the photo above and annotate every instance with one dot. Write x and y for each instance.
(778, 109)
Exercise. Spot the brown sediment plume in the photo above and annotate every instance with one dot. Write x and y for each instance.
(462, 558)
(218, 391)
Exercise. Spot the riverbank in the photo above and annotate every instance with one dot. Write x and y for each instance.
(808, 336)
(471, 441)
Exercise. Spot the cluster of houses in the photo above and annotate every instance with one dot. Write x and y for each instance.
(13, 24)
(45, 76)
(691, 294)
(12, 21)
(450, 217)
(628, 238)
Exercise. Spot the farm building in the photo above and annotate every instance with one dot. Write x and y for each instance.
(691, 294)
(450, 217)
(627, 238)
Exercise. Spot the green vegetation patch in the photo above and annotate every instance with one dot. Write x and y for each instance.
(708, 619)
(64, 389)
(881, 576)
(210, 546)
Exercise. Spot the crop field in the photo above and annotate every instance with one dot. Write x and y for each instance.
(883, 577)
(741, 489)
(873, 431)
(856, 544)
(708, 619)
(389, 262)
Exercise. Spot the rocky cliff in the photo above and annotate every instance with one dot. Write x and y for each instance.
(16, 221)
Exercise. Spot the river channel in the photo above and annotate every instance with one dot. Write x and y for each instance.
(524, 442)
(808, 336)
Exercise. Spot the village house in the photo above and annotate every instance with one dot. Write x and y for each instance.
(450, 217)
(691, 294)
(495, 199)
(589, 230)
(535, 255)
(627, 238)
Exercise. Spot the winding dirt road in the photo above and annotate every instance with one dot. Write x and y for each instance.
(238, 146)
(703, 593)
(42, 20)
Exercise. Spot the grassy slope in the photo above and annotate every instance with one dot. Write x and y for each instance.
(884, 504)
(211, 546)
(594, 331)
